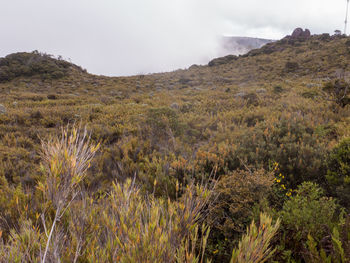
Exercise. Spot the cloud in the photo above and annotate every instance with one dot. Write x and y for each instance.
(123, 37)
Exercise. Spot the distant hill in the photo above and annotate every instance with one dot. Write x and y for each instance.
(24, 64)
(241, 45)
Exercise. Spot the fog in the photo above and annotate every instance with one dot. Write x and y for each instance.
(126, 37)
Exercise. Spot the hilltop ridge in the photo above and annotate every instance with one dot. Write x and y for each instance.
(318, 56)
(24, 64)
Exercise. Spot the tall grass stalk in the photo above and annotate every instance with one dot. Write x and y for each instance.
(65, 162)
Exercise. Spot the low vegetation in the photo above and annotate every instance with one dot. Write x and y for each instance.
(244, 160)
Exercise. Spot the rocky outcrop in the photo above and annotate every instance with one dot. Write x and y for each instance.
(299, 33)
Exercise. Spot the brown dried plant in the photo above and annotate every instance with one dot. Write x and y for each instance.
(65, 162)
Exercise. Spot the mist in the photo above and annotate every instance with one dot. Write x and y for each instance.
(127, 37)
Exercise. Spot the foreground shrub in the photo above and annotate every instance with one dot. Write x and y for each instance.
(338, 246)
(134, 228)
(66, 161)
(232, 209)
(309, 212)
(338, 172)
(24, 245)
(255, 244)
(292, 143)
(124, 225)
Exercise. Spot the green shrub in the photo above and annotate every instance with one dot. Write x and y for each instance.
(162, 119)
(232, 211)
(278, 89)
(291, 142)
(337, 250)
(338, 172)
(308, 212)
(31, 64)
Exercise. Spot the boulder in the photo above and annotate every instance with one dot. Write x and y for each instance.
(306, 33)
(2, 109)
(240, 94)
(299, 33)
(174, 106)
(261, 91)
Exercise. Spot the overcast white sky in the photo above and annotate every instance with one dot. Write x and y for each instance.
(123, 37)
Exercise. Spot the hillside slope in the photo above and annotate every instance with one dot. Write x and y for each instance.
(262, 124)
(297, 67)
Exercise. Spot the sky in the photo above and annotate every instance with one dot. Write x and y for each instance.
(128, 37)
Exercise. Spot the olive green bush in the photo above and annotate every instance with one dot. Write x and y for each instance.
(35, 63)
(338, 246)
(232, 211)
(338, 172)
(308, 212)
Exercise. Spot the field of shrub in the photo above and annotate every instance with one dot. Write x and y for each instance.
(244, 160)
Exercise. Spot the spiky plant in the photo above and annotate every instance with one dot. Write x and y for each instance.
(65, 162)
(255, 244)
(138, 228)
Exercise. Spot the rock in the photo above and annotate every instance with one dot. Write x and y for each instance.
(299, 33)
(194, 66)
(311, 85)
(240, 94)
(196, 88)
(174, 106)
(306, 33)
(2, 109)
(261, 91)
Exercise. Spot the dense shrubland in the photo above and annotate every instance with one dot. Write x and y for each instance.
(244, 161)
